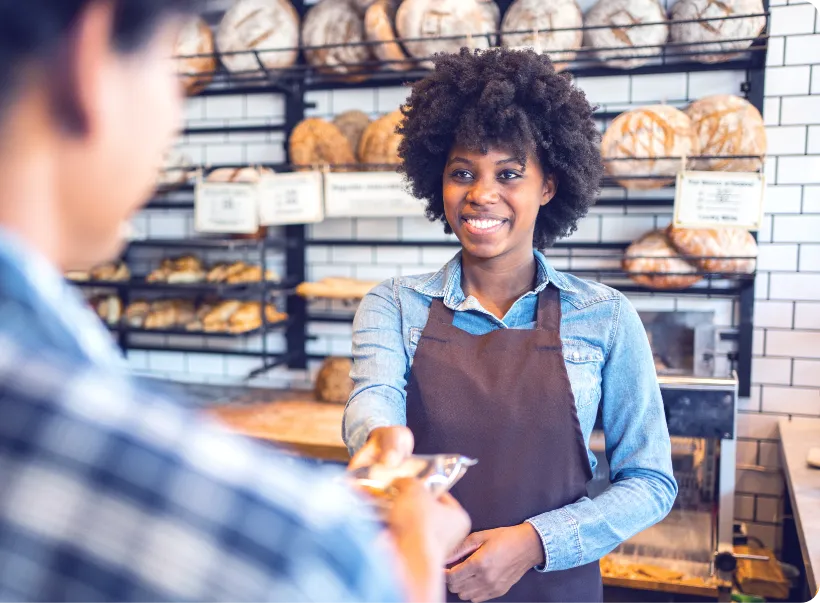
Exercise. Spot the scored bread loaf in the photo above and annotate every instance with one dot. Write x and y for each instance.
(333, 382)
(715, 41)
(538, 18)
(268, 27)
(315, 142)
(473, 21)
(729, 250)
(728, 125)
(652, 261)
(379, 26)
(352, 124)
(626, 47)
(196, 62)
(336, 26)
(379, 145)
(648, 135)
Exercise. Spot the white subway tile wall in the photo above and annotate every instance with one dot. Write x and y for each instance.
(786, 343)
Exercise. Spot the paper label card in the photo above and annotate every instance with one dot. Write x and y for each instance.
(369, 195)
(296, 198)
(718, 199)
(227, 208)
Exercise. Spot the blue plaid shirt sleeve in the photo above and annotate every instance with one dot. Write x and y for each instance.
(110, 493)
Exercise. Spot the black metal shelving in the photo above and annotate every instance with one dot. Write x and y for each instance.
(295, 82)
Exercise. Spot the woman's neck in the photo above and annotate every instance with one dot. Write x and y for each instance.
(498, 282)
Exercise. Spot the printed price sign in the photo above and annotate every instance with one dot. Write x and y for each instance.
(715, 199)
(228, 208)
(369, 195)
(291, 198)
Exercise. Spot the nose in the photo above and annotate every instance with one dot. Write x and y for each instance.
(483, 192)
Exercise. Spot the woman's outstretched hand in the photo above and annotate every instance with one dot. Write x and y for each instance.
(386, 445)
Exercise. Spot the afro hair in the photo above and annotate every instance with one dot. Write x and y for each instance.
(510, 99)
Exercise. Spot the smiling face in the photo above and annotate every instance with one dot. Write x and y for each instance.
(491, 201)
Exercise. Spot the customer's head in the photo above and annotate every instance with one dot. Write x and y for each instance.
(499, 135)
(89, 102)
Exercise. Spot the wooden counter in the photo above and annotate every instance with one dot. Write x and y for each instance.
(797, 436)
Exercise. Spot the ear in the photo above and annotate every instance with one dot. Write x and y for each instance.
(548, 190)
(79, 72)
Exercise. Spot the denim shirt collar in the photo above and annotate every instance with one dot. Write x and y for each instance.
(446, 283)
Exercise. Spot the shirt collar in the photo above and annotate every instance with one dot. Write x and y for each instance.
(446, 283)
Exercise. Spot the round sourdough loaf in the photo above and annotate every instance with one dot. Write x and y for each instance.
(716, 249)
(728, 125)
(197, 62)
(337, 26)
(626, 47)
(535, 16)
(352, 124)
(650, 142)
(721, 36)
(315, 142)
(379, 26)
(333, 383)
(269, 27)
(380, 142)
(653, 262)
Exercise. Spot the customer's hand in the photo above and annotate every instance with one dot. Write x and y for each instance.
(426, 531)
(386, 445)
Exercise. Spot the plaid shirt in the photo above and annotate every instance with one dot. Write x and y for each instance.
(111, 493)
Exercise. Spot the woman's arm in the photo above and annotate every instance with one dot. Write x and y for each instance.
(379, 368)
(639, 453)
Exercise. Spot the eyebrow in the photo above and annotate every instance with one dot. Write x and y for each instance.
(502, 161)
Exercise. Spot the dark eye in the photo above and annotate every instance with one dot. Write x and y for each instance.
(509, 175)
(461, 175)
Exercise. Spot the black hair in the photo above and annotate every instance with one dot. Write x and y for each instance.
(505, 98)
(33, 30)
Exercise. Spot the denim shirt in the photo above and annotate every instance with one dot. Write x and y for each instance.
(609, 364)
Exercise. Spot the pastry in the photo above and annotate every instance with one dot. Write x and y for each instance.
(78, 276)
(315, 142)
(333, 36)
(379, 146)
(535, 16)
(114, 272)
(250, 274)
(728, 125)
(333, 383)
(182, 270)
(352, 125)
(472, 21)
(196, 62)
(379, 26)
(712, 248)
(626, 47)
(659, 137)
(217, 319)
(108, 308)
(248, 317)
(653, 262)
(269, 27)
(709, 41)
(336, 288)
(135, 314)
(169, 314)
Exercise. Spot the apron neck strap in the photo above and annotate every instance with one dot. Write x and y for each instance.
(440, 312)
(549, 309)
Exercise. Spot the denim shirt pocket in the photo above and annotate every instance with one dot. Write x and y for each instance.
(584, 362)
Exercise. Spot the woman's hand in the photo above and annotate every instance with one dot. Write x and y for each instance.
(425, 530)
(497, 560)
(386, 445)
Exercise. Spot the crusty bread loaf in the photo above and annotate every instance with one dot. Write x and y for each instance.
(702, 38)
(333, 382)
(379, 145)
(269, 27)
(336, 288)
(646, 134)
(535, 16)
(336, 25)
(246, 175)
(473, 20)
(379, 26)
(653, 262)
(730, 250)
(352, 124)
(728, 125)
(315, 142)
(196, 72)
(626, 41)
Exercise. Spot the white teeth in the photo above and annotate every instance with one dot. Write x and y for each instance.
(483, 224)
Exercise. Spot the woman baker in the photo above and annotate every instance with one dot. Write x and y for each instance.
(499, 356)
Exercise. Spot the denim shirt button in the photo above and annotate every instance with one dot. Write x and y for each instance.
(575, 355)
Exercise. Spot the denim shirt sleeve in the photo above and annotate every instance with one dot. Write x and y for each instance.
(638, 450)
(379, 370)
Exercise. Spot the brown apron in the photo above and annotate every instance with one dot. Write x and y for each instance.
(505, 399)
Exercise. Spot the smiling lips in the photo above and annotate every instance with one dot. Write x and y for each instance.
(483, 226)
